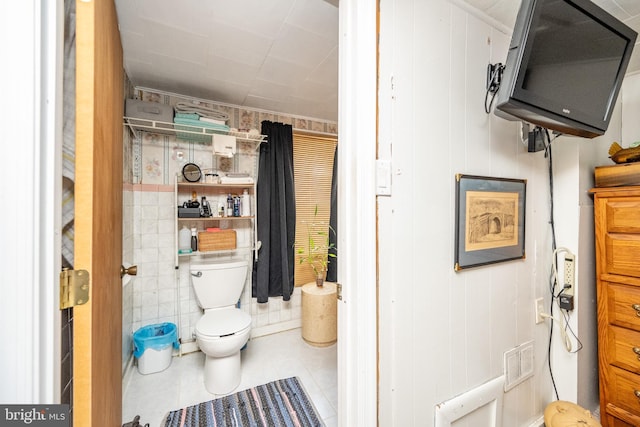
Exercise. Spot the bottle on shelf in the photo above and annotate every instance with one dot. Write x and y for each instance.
(229, 210)
(194, 240)
(184, 240)
(236, 206)
(246, 203)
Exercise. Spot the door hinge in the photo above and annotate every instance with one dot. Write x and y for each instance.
(74, 288)
(339, 291)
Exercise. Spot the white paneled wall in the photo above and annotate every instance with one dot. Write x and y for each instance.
(444, 333)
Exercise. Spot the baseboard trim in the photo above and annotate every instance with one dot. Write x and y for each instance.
(187, 347)
(538, 423)
(127, 373)
(275, 328)
(191, 346)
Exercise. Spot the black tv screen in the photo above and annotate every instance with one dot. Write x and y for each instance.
(565, 66)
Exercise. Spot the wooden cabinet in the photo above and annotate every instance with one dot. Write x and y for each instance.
(617, 228)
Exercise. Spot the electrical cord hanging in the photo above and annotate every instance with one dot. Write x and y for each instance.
(553, 279)
(564, 321)
(494, 78)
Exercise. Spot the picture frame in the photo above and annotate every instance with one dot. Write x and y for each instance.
(490, 219)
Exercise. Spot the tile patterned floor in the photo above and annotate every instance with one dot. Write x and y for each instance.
(265, 359)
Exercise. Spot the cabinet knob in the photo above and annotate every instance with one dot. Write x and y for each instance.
(637, 393)
(636, 307)
(636, 350)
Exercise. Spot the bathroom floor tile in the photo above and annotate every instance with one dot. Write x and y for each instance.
(265, 359)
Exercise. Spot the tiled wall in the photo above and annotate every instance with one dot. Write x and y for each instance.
(157, 287)
(127, 282)
(148, 213)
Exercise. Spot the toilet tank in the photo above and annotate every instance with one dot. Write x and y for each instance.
(218, 283)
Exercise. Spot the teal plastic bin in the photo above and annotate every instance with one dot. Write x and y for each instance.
(153, 347)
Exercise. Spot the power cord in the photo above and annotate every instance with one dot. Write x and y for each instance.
(566, 331)
(494, 78)
(553, 279)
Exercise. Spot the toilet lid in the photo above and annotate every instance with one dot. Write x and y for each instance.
(223, 322)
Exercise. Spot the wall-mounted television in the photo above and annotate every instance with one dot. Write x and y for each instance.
(565, 66)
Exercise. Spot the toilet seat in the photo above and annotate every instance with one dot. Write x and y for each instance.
(220, 323)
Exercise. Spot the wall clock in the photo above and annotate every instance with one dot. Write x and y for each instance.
(191, 172)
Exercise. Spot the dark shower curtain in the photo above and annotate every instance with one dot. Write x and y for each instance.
(276, 209)
(332, 268)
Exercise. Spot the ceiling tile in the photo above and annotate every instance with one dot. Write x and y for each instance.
(256, 16)
(190, 16)
(265, 89)
(301, 47)
(239, 45)
(632, 7)
(168, 41)
(326, 72)
(229, 70)
(612, 7)
(282, 72)
(318, 17)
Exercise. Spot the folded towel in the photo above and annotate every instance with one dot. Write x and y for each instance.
(201, 124)
(201, 110)
(192, 116)
(216, 121)
(236, 180)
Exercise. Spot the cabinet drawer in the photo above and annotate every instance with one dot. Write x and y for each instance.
(623, 390)
(622, 254)
(623, 301)
(624, 348)
(623, 215)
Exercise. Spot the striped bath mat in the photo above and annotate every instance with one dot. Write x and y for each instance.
(278, 403)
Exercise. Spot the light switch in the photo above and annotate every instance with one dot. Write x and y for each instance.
(383, 177)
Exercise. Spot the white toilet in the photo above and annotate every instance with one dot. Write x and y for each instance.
(224, 329)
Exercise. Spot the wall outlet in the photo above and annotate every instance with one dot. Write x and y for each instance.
(539, 309)
(569, 282)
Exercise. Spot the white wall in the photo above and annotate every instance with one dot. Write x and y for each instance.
(30, 249)
(443, 333)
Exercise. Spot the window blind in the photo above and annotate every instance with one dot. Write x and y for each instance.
(312, 169)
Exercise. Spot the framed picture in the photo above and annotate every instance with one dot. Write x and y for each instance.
(489, 220)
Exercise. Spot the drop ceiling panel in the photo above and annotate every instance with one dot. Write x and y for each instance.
(632, 7)
(239, 45)
(298, 46)
(278, 55)
(228, 70)
(285, 73)
(257, 16)
(318, 17)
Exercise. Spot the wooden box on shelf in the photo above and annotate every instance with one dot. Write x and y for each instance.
(618, 175)
(216, 240)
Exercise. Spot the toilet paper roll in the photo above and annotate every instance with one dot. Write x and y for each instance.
(319, 314)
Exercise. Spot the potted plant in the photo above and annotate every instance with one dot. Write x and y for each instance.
(318, 250)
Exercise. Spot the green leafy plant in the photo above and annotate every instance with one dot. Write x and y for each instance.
(318, 250)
